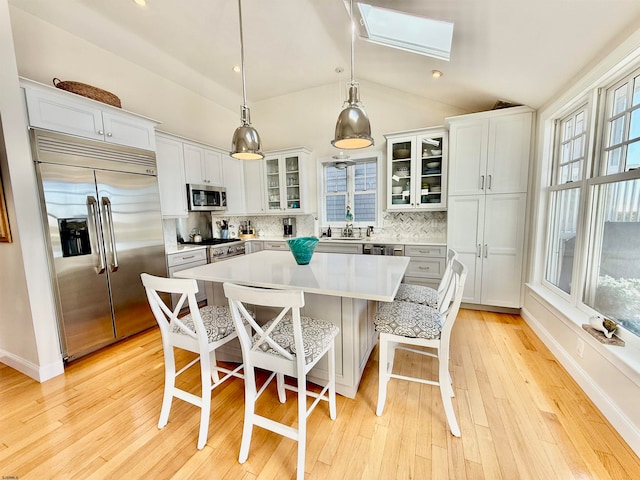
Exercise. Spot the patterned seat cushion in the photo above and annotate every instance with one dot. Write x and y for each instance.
(408, 320)
(216, 319)
(417, 294)
(316, 336)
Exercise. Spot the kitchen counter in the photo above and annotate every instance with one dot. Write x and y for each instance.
(377, 239)
(342, 288)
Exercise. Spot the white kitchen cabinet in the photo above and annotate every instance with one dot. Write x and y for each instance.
(426, 266)
(253, 246)
(233, 181)
(202, 165)
(171, 180)
(487, 231)
(53, 109)
(339, 247)
(286, 181)
(187, 259)
(254, 187)
(275, 245)
(417, 170)
(489, 151)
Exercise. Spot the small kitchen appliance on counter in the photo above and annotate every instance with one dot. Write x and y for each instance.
(289, 226)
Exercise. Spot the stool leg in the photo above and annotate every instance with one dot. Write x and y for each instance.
(332, 381)
(302, 425)
(250, 394)
(383, 372)
(446, 392)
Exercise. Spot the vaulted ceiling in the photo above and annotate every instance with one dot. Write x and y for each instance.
(520, 51)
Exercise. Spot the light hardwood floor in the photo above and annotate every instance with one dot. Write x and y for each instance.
(521, 415)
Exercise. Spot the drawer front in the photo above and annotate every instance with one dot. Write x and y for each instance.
(188, 256)
(276, 245)
(425, 251)
(426, 267)
(341, 248)
(427, 282)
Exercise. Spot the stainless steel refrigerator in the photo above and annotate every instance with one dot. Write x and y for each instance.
(101, 210)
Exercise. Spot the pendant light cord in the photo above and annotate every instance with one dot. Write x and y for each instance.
(353, 34)
(244, 87)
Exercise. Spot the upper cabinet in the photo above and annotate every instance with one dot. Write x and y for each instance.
(254, 187)
(417, 170)
(233, 178)
(286, 181)
(171, 181)
(489, 152)
(60, 111)
(202, 165)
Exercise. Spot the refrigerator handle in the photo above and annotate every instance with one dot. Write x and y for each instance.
(92, 211)
(106, 204)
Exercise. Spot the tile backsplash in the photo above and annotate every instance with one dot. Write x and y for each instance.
(397, 226)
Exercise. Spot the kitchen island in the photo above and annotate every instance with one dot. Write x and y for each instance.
(342, 288)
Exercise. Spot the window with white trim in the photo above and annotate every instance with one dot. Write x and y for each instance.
(594, 257)
(355, 187)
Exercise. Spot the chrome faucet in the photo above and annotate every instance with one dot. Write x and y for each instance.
(348, 230)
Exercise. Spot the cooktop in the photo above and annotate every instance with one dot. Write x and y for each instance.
(211, 241)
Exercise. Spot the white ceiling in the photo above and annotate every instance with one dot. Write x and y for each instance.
(521, 51)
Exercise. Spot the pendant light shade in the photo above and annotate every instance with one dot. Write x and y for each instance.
(245, 144)
(353, 129)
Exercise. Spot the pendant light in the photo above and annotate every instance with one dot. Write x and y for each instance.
(353, 129)
(245, 144)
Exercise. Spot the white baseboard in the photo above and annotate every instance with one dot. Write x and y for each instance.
(627, 429)
(40, 373)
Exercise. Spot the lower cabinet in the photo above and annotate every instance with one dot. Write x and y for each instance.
(275, 245)
(187, 259)
(487, 231)
(254, 246)
(427, 264)
(329, 247)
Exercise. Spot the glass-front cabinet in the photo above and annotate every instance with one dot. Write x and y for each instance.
(285, 179)
(417, 169)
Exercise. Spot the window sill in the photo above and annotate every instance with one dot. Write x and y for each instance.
(626, 359)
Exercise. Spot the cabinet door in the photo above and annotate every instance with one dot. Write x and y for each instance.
(274, 183)
(254, 186)
(468, 143)
(51, 111)
(290, 167)
(502, 249)
(431, 172)
(233, 172)
(465, 220)
(508, 153)
(130, 131)
(213, 168)
(202, 166)
(400, 166)
(171, 181)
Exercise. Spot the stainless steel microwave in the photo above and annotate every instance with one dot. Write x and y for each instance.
(206, 198)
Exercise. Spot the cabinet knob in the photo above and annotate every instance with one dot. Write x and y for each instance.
(109, 134)
(100, 132)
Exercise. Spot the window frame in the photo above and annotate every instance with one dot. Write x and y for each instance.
(358, 158)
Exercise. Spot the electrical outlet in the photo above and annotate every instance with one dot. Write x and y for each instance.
(580, 348)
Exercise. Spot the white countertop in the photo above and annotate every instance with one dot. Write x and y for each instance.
(371, 277)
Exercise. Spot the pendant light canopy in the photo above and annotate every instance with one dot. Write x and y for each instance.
(353, 129)
(245, 144)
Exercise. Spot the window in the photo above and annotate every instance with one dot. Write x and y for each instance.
(594, 258)
(356, 187)
(565, 191)
(404, 31)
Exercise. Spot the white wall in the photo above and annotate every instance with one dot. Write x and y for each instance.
(609, 375)
(28, 335)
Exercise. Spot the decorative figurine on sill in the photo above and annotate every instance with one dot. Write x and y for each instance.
(348, 216)
(604, 325)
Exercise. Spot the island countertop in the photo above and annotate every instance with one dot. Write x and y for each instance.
(370, 277)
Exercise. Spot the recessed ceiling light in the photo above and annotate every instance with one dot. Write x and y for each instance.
(236, 69)
(142, 3)
(436, 73)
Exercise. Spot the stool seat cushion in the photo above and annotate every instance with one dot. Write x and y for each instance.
(408, 320)
(216, 319)
(417, 294)
(317, 335)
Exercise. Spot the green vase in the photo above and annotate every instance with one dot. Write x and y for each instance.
(302, 249)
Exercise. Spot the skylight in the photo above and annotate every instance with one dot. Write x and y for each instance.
(404, 31)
